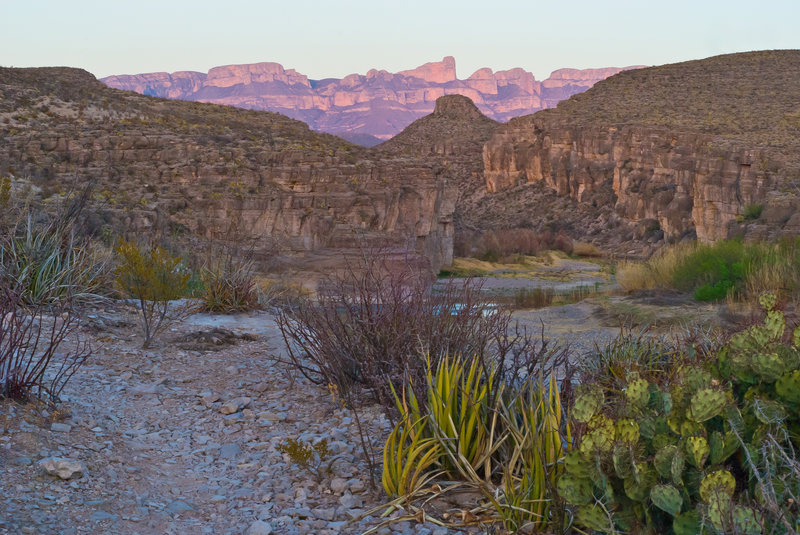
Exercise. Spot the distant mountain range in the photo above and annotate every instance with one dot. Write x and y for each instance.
(365, 109)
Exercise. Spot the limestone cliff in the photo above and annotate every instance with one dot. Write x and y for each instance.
(198, 170)
(379, 104)
(682, 149)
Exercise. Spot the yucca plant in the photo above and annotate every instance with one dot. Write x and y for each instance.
(48, 263)
(229, 286)
(409, 459)
(538, 440)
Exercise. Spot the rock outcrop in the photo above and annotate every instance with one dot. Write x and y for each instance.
(200, 170)
(679, 150)
(364, 108)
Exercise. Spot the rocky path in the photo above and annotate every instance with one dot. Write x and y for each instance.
(181, 439)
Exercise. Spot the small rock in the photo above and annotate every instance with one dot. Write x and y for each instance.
(259, 527)
(21, 461)
(62, 467)
(179, 506)
(356, 486)
(230, 451)
(338, 485)
(61, 428)
(349, 501)
(235, 405)
(98, 516)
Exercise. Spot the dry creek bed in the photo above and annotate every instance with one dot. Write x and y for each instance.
(184, 438)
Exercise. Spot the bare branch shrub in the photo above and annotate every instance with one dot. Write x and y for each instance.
(33, 359)
(376, 325)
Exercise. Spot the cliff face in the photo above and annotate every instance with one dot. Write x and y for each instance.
(378, 104)
(201, 170)
(684, 149)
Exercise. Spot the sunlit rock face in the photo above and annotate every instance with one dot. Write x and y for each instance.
(375, 106)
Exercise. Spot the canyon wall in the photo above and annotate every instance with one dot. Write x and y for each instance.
(199, 170)
(376, 105)
(685, 179)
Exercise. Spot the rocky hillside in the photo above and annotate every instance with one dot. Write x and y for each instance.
(688, 149)
(192, 169)
(364, 108)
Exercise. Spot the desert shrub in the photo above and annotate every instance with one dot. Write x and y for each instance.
(152, 277)
(692, 446)
(751, 212)
(586, 249)
(228, 286)
(39, 348)
(526, 298)
(45, 256)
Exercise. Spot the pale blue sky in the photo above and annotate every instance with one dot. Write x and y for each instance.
(333, 38)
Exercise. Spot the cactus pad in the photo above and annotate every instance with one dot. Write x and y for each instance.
(769, 366)
(594, 517)
(627, 431)
(575, 490)
(746, 521)
(638, 393)
(706, 404)
(667, 498)
(663, 460)
(767, 300)
(600, 436)
(717, 484)
(687, 523)
(788, 387)
(637, 486)
(676, 470)
(697, 450)
(587, 404)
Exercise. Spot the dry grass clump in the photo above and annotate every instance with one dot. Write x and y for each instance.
(657, 272)
(494, 245)
(586, 249)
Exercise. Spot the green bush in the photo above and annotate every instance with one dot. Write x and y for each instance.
(153, 278)
(752, 212)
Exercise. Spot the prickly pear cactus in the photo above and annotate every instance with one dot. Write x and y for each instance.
(661, 453)
(716, 484)
(688, 523)
(787, 387)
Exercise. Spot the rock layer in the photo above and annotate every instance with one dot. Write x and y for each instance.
(681, 168)
(378, 104)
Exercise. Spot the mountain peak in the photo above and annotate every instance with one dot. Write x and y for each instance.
(437, 72)
(456, 107)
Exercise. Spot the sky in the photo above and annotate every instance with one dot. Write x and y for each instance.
(333, 38)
